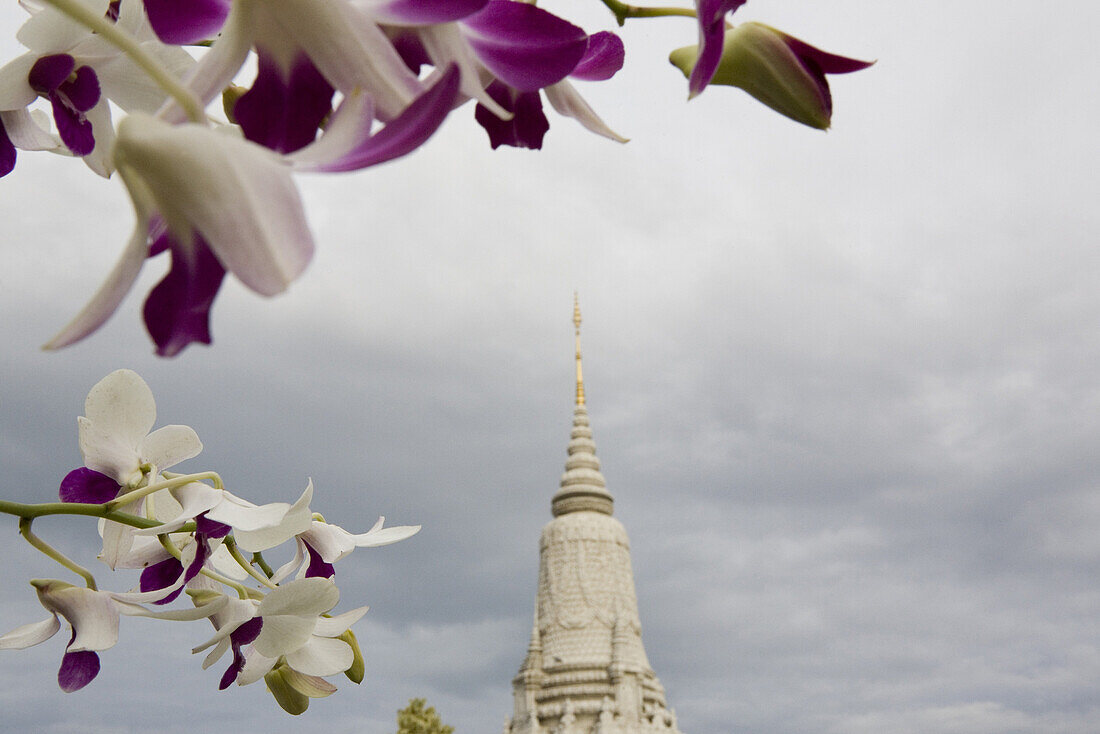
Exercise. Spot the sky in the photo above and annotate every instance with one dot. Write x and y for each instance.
(843, 386)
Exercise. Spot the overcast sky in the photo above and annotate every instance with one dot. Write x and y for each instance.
(844, 385)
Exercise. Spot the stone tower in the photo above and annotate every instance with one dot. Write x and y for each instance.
(586, 671)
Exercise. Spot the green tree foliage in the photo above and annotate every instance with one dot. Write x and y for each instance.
(415, 719)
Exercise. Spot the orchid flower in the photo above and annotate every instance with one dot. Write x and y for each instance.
(781, 71)
(117, 446)
(93, 616)
(217, 203)
(78, 72)
(287, 625)
(324, 544)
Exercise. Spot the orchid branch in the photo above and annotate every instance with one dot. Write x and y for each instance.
(176, 480)
(231, 545)
(49, 550)
(130, 46)
(29, 512)
(622, 11)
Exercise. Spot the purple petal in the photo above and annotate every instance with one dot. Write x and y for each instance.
(317, 565)
(201, 554)
(186, 21)
(7, 152)
(162, 575)
(239, 637)
(411, 50)
(602, 59)
(712, 32)
(78, 669)
(524, 46)
(88, 485)
(49, 71)
(177, 311)
(527, 126)
(827, 62)
(407, 132)
(284, 114)
(211, 528)
(82, 90)
(73, 127)
(422, 12)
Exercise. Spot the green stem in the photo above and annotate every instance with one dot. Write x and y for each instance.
(177, 480)
(258, 559)
(49, 550)
(231, 545)
(29, 512)
(129, 45)
(623, 11)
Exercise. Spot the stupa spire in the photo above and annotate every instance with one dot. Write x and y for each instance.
(582, 485)
(577, 341)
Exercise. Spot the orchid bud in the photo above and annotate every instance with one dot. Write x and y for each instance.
(289, 699)
(781, 71)
(358, 669)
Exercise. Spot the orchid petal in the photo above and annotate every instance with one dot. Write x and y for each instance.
(419, 12)
(169, 445)
(303, 598)
(445, 45)
(31, 634)
(295, 520)
(15, 90)
(321, 656)
(110, 294)
(187, 22)
(78, 669)
(400, 136)
(284, 108)
(603, 57)
(336, 626)
(177, 310)
(50, 31)
(308, 685)
(92, 614)
(524, 46)
(194, 498)
(122, 405)
(283, 633)
(88, 485)
(566, 100)
(255, 667)
(238, 196)
(712, 29)
(26, 133)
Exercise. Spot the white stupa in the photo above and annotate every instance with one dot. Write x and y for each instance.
(586, 671)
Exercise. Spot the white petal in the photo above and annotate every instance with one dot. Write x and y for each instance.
(235, 613)
(121, 406)
(225, 564)
(288, 568)
(331, 542)
(296, 520)
(255, 667)
(304, 598)
(349, 50)
(118, 540)
(567, 101)
(385, 536)
(309, 685)
(29, 131)
(23, 637)
(176, 615)
(50, 31)
(110, 294)
(321, 656)
(92, 614)
(99, 159)
(237, 195)
(15, 91)
(145, 551)
(347, 128)
(336, 626)
(168, 446)
(283, 633)
(219, 650)
(194, 499)
(445, 44)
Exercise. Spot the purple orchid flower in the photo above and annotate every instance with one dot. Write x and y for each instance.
(603, 57)
(781, 71)
(72, 92)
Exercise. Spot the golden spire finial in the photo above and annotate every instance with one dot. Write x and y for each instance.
(577, 338)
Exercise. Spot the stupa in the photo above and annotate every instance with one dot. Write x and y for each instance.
(586, 671)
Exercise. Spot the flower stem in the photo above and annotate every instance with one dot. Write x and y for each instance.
(258, 559)
(130, 46)
(177, 480)
(231, 545)
(623, 11)
(49, 550)
(29, 512)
